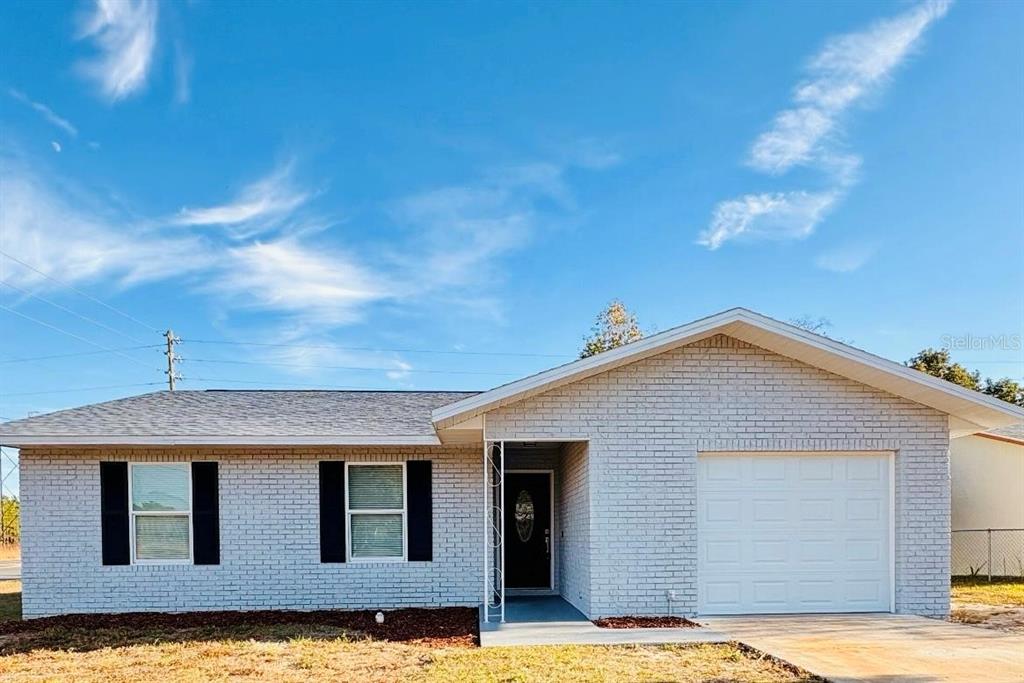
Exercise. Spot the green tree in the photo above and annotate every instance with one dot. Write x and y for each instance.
(10, 519)
(1005, 389)
(938, 364)
(615, 326)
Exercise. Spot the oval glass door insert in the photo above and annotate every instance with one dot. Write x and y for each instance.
(524, 516)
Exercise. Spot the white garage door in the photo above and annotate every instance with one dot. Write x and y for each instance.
(786, 532)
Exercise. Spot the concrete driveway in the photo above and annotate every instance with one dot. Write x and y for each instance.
(881, 647)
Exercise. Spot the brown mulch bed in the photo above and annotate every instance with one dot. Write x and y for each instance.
(445, 626)
(646, 622)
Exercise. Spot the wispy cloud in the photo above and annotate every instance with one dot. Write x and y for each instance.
(124, 33)
(49, 225)
(47, 113)
(182, 74)
(55, 145)
(780, 215)
(459, 231)
(849, 69)
(846, 258)
(300, 283)
(255, 207)
(317, 284)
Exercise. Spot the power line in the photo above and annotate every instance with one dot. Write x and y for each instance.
(71, 312)
(127, 316)
(68, 391)
(345, 367)
(377, 349)
(71, 334)
(287, 384)
(79, 353)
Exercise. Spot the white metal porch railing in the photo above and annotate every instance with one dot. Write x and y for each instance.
(494, 530)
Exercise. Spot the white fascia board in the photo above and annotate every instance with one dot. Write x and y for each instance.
(15, 441)
(689, 333)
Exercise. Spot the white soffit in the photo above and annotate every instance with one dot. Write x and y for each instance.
(970, 411)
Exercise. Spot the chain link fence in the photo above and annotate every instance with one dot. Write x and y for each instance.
(988, 552)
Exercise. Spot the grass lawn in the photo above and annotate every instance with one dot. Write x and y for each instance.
(306, 653)
(10, 600)
(980, 591)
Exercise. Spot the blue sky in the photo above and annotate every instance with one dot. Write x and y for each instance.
(444, 195)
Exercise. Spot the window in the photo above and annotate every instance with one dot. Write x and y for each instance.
(376, 511)
(161, 512)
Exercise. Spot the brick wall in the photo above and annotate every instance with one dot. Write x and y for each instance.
(269, 522)
(647, 421)
(574, 526)
(627, 497)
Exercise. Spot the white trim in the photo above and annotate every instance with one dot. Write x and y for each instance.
(728, 322)
(16, 441)
(388, 511)
(133, 513)
(551, 525)
(892, 531)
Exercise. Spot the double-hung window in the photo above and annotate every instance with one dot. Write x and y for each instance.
(161, 512)
(375, 511)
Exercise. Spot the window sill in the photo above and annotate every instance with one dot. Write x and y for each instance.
(377, 560)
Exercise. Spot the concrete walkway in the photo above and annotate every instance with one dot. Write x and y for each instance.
(550, 620)
(880, 648)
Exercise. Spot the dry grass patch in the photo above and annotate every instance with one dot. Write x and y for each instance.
(998, 604)
(10, 551)
(979, 591)
(301, 658)
(194, 648)
(586, 663)
(308, 656)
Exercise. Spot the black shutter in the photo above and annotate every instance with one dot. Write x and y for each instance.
(205, 514)
(114, 513)
(332, 511)
(419, 520)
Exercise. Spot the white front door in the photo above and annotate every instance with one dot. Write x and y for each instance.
(788, 532)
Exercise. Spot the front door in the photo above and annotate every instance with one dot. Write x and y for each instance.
(527, 530)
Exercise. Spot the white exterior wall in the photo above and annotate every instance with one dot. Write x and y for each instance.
(647, 421)
(988, 493)
(574, 526)
(269, 535)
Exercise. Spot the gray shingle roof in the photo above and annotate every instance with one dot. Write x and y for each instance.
(240, 414)
(1013, 431)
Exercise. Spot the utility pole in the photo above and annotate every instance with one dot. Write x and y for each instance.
(172, 373)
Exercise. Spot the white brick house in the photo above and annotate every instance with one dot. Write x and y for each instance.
(735, 464)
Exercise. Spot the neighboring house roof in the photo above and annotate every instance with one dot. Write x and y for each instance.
(1012, 434)
(249, 417)
(970, 411)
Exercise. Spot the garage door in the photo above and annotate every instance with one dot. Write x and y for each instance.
(793, 532)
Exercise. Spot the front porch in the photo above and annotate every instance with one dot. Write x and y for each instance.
(550, 620)
(536, 525)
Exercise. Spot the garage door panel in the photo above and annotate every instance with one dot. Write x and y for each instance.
(817, 541)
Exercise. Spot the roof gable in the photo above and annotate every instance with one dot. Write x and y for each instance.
(970, 411)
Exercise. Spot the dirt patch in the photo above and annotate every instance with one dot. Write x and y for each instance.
(646, 622)
(1001, 617)
(443, 627)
